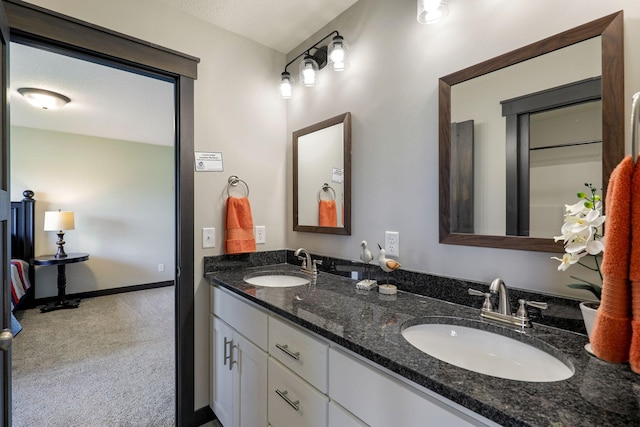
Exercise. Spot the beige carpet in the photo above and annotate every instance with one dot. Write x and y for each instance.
(108, 363)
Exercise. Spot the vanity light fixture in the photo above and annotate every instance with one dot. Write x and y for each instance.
(44, 99)
(335, 54)
(430, 11)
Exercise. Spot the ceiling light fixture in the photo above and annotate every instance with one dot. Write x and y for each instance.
(430, 11)
(335, 54)
(44, 99)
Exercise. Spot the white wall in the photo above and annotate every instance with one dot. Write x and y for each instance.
(122, 195)
(391, 89)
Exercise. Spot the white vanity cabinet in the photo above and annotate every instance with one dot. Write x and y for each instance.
(267, 371)
(238, 365)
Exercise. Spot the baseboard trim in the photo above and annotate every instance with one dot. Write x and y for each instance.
(203, 415)
(103, 292)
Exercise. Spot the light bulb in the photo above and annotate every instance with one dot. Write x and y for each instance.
(430, 11)
(286, 88)
(308, 69)
(338, 54)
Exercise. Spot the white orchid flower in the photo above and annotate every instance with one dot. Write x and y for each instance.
(566, 261)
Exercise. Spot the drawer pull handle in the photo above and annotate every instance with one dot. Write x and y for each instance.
(283, 394)
(230, 355)
(285, 348)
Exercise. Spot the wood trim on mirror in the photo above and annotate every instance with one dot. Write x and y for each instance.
(610, 28)
(345, 119)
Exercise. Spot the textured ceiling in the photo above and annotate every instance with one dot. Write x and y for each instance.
(279, 24)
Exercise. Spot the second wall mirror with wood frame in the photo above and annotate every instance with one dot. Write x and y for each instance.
(322, 177)
(599, 42)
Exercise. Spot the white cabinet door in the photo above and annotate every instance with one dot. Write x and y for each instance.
(222, 390)
(252, 381)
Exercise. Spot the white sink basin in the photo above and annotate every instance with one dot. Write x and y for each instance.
(276, 280)
(487, 352)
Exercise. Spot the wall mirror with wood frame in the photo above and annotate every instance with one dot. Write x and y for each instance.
(322, 177)
(509, 156)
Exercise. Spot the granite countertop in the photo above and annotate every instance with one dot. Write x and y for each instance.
(369, 324)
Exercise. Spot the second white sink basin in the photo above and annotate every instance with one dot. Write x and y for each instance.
(487, 352)
(276, 280)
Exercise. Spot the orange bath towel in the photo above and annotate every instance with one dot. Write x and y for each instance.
(327, 214)
(634, 270)
(611, 335)
(239, 227)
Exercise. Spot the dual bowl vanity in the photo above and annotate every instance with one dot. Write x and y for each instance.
(404, 359)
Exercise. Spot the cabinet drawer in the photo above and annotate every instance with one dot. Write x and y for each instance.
(249, 321)
(300, 352)
(382, 401)
(293, 402)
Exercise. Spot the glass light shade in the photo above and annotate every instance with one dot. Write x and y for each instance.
(338, 54)
(308, 71)
(286, 85)
(430, 11)
(58, 221)
(44, 99)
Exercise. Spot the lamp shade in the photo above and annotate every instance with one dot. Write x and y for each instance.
(286, 88)
(338, 54)
(309, 71)
(58, 221)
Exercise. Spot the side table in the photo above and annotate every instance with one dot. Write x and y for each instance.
(62, 301)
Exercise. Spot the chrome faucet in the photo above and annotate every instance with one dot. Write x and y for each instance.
(308, 265)
(504, 303)
(503, 313)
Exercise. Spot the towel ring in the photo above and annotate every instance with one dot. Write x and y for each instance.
(326, 187)
(635, 123)
(233, 182)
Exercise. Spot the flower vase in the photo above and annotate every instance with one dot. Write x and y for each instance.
(589, 309)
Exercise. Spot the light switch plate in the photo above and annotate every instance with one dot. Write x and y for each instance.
(208, 237)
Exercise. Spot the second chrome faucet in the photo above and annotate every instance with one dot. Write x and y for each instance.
(308, 265)
(503, 313)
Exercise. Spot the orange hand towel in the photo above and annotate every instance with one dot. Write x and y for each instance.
(634, 270)
(328, 215)
(611, 335)
(239, 227)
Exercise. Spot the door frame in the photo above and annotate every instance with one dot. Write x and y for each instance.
(44, 28)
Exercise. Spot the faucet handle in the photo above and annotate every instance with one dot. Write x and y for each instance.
(316, 262)
(522, 310)
(304, 261)
(487, 305)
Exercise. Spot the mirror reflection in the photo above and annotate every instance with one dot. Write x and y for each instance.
(503, 183)
(321, 176)
(522, 133)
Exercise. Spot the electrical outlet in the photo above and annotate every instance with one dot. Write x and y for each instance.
(392, 243)
(261, 234)
(208, 237)
(161, 267)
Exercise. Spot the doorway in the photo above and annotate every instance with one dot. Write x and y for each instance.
(32, 25)
(108, 156)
